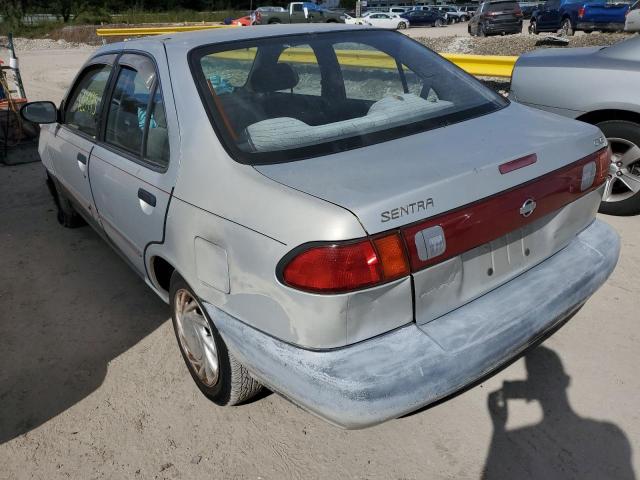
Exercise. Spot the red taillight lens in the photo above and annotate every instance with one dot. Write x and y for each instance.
(581, 12)
(343, 267)
(603, 160)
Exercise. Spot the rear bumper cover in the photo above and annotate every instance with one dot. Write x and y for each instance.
(401, 371)
(607, 26)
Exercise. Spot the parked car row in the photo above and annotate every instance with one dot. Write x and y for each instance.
(287, 212)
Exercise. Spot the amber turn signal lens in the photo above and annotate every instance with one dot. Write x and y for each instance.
(392, 256)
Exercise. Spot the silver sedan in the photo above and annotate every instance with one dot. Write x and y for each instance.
(598, 85)
(301, 198)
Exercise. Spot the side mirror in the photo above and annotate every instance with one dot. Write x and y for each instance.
(39, 112)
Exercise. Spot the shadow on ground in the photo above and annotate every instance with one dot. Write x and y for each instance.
(563, 444)
(66, 307)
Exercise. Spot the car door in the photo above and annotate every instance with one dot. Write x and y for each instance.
(74, 138)
(299, 14)
(130, 170)
(550, 15)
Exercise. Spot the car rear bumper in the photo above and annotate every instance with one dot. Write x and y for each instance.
(413, 366)
(503, 27)
(610, 26)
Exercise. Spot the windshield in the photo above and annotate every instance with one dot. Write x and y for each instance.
(285, 98)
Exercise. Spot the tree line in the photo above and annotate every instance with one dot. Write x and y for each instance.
(94, 11)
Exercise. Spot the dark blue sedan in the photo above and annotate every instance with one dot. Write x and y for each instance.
(421, 18)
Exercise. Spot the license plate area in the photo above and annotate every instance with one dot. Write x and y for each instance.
(446, 286)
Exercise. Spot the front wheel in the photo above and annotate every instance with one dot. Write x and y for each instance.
(567, 28)
(402, 26)
(437, 23)
(217, 373)
(464, 18)
(66, 214)
(481, 31)
(533, 27)
(622, 191)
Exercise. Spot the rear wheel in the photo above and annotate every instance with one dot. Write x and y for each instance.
(464, 18)
(437, 23)
(481, 31)
(533, 27)
(214, 369)
(622, 191)
(274, 21)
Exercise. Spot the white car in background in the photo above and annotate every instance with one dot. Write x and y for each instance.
(386, 20)
(632, 23)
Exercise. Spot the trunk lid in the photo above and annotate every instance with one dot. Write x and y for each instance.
(399, 182)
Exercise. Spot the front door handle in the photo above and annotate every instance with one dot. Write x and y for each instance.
(147, 197)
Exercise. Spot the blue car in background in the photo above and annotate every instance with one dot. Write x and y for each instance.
(571, 16)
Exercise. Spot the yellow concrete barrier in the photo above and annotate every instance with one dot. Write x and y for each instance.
(479, 65)
(138, 31)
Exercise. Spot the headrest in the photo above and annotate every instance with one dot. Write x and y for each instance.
(273, 78)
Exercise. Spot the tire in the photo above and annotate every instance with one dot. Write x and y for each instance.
(533, 27)
(469, 30)
(623, 136)
(437, 23)
(402, 26)
(464, 18)
(274, 21)
(481, 30)
(233, 383)
(567, 28)
(65, 213)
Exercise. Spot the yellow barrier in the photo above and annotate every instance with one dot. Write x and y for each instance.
(134, 32)
(479, 65)
(483, 65)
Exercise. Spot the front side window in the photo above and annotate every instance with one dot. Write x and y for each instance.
(309, 95)
(83, 107)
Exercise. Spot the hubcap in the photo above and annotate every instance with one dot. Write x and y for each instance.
(196, 338)
(624, 172)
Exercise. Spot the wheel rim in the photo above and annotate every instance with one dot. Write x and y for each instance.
(196, 338)
(624, 172)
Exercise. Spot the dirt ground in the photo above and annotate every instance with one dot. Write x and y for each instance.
(92, 384)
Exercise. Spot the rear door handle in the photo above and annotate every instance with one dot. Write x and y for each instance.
(147, 197)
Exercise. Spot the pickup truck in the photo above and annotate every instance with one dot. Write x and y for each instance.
(570, 16)
(299, 12)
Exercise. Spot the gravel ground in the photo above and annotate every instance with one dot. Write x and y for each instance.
(514, 44)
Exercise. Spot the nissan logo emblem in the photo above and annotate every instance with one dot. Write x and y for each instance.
(528, 207)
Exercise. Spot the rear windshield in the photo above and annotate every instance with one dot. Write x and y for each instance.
(502, 6)
(297, 96)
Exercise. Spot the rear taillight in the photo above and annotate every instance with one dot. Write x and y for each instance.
(517, 12)
(581, 12)
(340, 267)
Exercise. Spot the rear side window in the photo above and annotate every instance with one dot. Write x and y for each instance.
(309, 95)
(502, 6)
(85, 101)
(380, 79)
(136, 119)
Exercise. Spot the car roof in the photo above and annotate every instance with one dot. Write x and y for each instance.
(190, 40)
